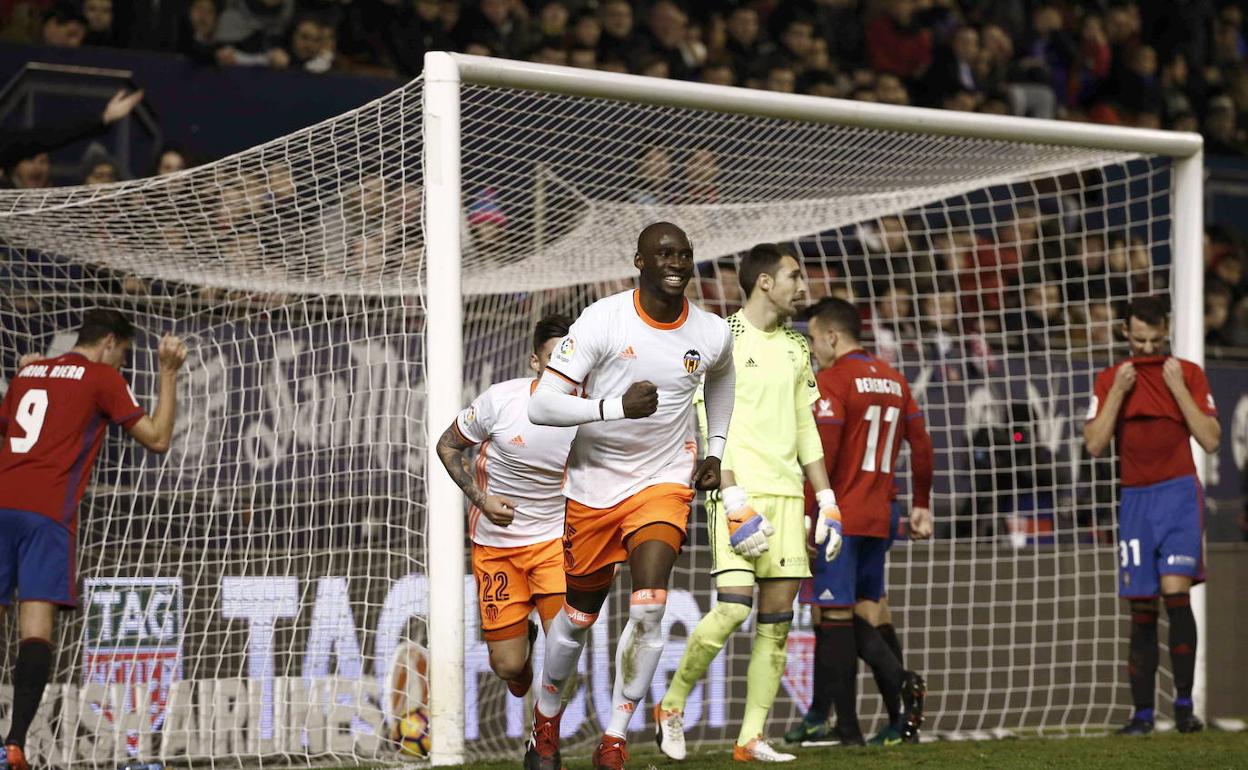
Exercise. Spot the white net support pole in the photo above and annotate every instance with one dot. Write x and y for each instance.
(444, 363)
(1188, 333)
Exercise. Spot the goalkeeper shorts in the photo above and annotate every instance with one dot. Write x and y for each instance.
(786, 555)
(512, 582)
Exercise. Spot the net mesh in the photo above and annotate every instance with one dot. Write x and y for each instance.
(286, 525)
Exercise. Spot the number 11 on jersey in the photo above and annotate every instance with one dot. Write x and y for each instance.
(872, 416)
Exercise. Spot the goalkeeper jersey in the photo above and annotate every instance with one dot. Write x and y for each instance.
(773, 433)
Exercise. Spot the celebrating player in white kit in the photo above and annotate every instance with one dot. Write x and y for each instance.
(639, 357)
(516, 518)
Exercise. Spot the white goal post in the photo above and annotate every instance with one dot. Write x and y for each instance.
(445, 77)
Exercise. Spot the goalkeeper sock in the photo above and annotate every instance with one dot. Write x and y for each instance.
(636, 656)
(884, 664)
(30, 676)
(1182, 643)
(889, 635)
(565, 639)
(762, 679)
(821, 686)
(704, 644)
(843, 670)
(1142, 658)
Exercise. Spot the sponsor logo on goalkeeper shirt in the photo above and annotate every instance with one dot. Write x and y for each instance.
(133, 637)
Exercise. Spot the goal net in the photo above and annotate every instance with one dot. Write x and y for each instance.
(260, 593)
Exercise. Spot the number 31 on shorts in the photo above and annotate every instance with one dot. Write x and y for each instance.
(1129, 552)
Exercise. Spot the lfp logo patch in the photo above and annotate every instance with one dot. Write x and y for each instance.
(693, 359)
(566, 348)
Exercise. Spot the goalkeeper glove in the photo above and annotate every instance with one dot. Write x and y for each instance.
(747, 530)
(828, 525)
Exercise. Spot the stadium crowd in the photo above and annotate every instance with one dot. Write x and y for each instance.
(1148, 64)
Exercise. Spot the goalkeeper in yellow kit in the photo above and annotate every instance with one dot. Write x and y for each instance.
(758, 533)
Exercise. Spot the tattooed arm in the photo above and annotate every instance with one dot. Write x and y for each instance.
(451, 448)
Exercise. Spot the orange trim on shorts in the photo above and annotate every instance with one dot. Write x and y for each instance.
(684, 313)
(519, 628)
(646, 596)
(548, 606)
(594, 581)
(660, 531)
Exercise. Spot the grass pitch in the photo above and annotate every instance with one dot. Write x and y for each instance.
(1209, 750)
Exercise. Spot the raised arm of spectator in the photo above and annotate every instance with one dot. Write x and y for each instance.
(20, 144)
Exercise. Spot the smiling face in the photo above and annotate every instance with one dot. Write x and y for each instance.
(665, 259)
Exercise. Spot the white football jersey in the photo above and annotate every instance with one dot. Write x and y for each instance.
(517, 460)
(612, 345)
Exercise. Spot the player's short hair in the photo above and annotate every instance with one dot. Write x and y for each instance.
(553, 326)
(763, 258)
(838, 314)
(99, 322)
(1154, 311)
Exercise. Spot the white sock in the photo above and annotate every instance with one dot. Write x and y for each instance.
(564, 641)
(636, 656)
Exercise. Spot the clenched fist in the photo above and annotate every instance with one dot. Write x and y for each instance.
(640, 400)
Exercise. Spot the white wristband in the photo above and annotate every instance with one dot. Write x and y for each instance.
(715, 446)
(734, 498)
(826, 498)
(613, 408)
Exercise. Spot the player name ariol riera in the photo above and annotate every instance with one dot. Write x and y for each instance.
(59, 372)
(877, 385)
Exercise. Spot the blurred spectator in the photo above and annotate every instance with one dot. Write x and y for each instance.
(498, 25)
(32, 173)
(200, 41)
(1218, 301)
(552, 22)
(1221, 133)
(652, 185)
(586, 31)
(889, 89)
(1091, 70)
(418, 28)
(701, 174)
(1229, 269)
(255, 27)
(1101, 325)
(665, 38)
(719, 73)
(585, 58)
(618, 40)
(890, 321)
(954, 68)
(1040, 323)
(101, 172)
(1049, 53)
(170, 161)
(896, 42)
(312, 45)
(747, 43)
(781, 78)
(63, 26)
(24, 153)
(98, 15)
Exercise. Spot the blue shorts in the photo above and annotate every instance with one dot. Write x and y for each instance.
(1160, 532)
(36, 558)
(855, 575)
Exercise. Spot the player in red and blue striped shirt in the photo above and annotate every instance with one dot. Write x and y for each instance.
(52, 423)
(1152, 405)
